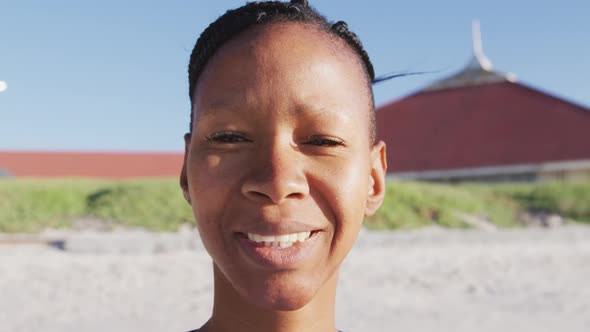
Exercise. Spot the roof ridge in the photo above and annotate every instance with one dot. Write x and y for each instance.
(479, 69)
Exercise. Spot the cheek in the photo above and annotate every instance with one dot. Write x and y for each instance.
(353, 191)
(210, 173)
(343, 189)
(213, 179)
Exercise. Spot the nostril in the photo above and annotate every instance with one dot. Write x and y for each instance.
(286, 185)
(261, 194)
(295, 195)
(257, 194)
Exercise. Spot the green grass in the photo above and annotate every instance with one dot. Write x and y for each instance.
(31, 205)
(571, 199)
(415, 204)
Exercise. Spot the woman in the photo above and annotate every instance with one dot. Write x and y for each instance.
(281, 162)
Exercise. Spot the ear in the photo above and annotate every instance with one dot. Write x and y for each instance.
(376, 190)
(183, 173)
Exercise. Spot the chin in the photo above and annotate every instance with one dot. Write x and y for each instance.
(281, 292)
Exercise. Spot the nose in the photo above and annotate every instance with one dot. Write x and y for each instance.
(276, 174)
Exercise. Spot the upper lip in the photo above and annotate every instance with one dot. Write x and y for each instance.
(281, 227)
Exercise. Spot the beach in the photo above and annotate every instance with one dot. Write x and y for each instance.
(432, 279)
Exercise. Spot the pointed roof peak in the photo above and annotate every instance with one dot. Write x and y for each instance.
(479, 69)
(479, 58)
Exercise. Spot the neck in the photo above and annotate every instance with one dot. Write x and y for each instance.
(231, 312)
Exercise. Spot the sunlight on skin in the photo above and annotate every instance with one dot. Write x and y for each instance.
(213, 160)
(281, 144)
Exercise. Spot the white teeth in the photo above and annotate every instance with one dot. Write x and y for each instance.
(303, 236)
(266, 238)
(285, 244)
(281, 241)
(283, 238)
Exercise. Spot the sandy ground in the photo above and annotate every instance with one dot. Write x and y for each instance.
(428, 280)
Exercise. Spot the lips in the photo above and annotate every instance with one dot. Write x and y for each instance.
(279, 251)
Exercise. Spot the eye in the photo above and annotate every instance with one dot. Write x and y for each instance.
(324, 141)
(227, 137)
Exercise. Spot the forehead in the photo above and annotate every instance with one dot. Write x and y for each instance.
(279, 63)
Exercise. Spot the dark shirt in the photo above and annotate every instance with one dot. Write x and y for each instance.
(197, 330)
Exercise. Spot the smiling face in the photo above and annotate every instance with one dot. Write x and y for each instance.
(280, 168)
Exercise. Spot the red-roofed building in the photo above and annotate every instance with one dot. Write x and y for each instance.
(480, 124)
(87, 164)
(84, 164)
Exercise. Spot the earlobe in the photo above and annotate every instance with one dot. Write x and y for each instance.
(183, 173)
(377, 187)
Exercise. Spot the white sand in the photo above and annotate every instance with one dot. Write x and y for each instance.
(429, 280)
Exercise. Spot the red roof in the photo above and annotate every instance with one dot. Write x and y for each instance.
(496, 124)
(107, 165)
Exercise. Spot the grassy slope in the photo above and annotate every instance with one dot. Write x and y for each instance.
(413, 204)
(571, 199)
(30, 205)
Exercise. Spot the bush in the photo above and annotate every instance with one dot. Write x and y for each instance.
(31, 205)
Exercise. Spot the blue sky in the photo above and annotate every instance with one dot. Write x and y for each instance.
(111, 75)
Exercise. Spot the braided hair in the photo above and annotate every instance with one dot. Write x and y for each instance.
(237, 20)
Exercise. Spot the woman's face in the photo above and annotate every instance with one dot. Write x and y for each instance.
(280, 169)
